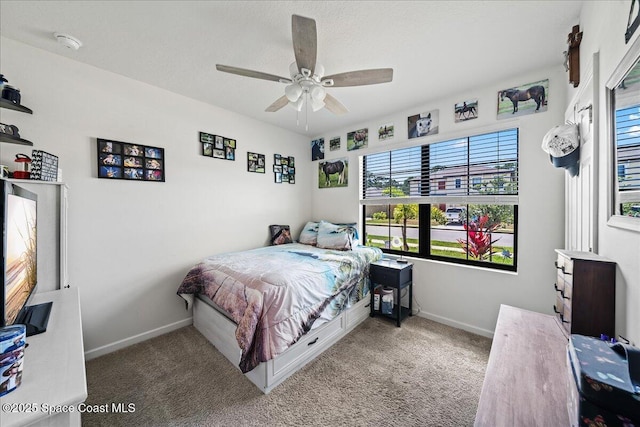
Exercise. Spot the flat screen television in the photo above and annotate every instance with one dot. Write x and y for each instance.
(19, 259)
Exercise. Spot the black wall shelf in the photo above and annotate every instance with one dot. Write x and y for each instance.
(9, 138)
(14, 140)
(11, 106)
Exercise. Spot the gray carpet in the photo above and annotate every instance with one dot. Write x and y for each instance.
(422, 374)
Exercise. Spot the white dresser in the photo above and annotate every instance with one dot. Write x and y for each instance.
(53, 379)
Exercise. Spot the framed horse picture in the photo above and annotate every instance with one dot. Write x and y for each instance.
(465, 110)
(529, 98)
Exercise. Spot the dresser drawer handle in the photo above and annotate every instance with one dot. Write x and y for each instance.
(562, 318)
(556, 311)
(564, 271)
(368, 305)
(313, 342)
(563, 296)
(555, 286)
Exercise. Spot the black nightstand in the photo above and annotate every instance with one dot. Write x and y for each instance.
(390, 274)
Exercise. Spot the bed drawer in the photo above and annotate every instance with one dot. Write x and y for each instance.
(359, 312)
(308, 347)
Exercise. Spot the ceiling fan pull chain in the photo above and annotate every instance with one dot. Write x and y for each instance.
(306, 111)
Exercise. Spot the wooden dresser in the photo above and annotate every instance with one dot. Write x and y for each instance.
(585, 293)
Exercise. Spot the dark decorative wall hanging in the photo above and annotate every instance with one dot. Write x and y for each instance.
(317, 149)
(217, 146)
(573, 55)
(334, 143)
(284, 169)
(255, 162)
(123, 160)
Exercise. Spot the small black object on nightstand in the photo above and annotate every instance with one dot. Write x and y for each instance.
(389, 279)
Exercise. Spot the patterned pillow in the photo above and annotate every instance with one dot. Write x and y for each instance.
(280, 234)
(334, 236)
(353, 231)
(309, 234)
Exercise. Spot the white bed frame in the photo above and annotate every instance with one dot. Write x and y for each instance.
(220, 331)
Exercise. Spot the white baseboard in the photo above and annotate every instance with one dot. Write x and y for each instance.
(460, 325)
(110, 348)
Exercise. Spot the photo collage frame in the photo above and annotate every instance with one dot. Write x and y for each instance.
(284, 169)
(255, 162)
(124, 160)
(217, 146)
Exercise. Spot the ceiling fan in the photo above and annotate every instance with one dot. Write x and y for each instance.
(307, 81)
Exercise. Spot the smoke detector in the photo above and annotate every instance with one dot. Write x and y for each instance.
(68, 41)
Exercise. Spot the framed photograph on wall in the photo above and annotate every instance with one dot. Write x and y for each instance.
(219, 143)
(207, 149)
(334, 143)
(217, 146)
(385, 132)
(317, 149)
(465, 110)
(333, 173)
(525, 99)
(123, 160)
(357, 139)
(423, 124)
(284, 169)
(255, 162)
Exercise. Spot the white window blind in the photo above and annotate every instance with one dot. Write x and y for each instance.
(628, 153)
(476, 169)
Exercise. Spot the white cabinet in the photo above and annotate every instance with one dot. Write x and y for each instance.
(53, 373)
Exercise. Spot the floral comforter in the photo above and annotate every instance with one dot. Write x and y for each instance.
(278, 293)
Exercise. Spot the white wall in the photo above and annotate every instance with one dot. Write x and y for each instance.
(603, 24)
(131, 243)
(464, 296)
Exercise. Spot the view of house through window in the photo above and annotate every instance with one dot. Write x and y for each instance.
(452, 200)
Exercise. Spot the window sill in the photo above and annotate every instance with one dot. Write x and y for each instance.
(451, 264)
(624, 222)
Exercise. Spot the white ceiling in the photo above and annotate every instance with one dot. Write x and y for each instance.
(436, 48)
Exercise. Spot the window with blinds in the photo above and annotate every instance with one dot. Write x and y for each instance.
(627, 128)
(477, 168)
(453, 200)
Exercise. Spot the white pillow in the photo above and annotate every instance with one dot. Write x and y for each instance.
(309, 234)
(333, 236)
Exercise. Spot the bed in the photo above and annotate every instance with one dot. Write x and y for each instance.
(271, 310)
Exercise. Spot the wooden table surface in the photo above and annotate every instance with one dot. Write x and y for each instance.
(526, 379)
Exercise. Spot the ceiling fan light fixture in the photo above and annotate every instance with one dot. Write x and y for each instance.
(318, 93)
(316, 104)
(297, 105)
(319, 71)
(293, 92)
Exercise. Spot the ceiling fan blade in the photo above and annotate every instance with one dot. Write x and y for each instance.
(305, 42)
(250, 73)
(333, 105)
(278, 104)
(361, 77)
